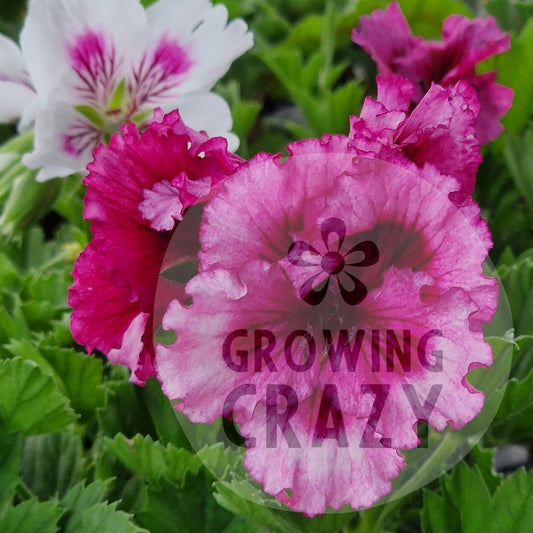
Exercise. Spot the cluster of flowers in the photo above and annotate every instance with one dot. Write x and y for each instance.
(259, 232)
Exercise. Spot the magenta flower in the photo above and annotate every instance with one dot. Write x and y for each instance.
(115, 277)
(326, 395)
(438, 135)
(386, 36)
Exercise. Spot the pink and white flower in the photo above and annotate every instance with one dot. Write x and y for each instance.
(116, 276)
(305, 371)
(386, 36)
(88, 66)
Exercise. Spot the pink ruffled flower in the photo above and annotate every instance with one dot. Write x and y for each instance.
(326, 390)
(386, 36)
(438, 135)
(169, 166)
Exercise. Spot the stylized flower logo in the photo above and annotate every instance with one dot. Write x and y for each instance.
(333, 263)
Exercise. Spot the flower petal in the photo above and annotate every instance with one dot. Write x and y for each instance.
(16, 99)
(211, 45)
(441, 130)
(309, 478)
(15, 85)
(130, 353)
(64, 141)
(103, 311)
(495, 101)
(387, 38)
(12, 63)
(208, 112)
(470, 42)
(53, 29)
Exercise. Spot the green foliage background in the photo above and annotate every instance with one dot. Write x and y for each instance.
(82, 450)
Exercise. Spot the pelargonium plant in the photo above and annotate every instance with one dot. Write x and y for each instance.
(229, 320)
(386, 36)
(157, 175)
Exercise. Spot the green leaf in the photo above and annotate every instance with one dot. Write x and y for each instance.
(19, 144)
(462, 506)
(484, 458)
(520, 162)
(124, 486)
(465, 504)
(28, 200)
(244, 115)
(47, 287)
(511, 510)
(517, 281)
(30, 400)
(437, 517)
(191, 510)
(104, 518)
(510, 14)
(306, 33)
(167, 427)
(10, 456)
(343, 102)
(242, 498)
(515, 416)
(13, 323)
(152, 461)
(147, 3)
(79, 499)
(140, 117)
(31, 517)
(69, 204)
(468, 484)
(52, 463)
(124, 412)
(80, 377)
(11, 161)
(44, 297)
(221, 461)
(286, 64)
(9, 276)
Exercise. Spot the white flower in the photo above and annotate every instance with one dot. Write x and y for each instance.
(85, 67)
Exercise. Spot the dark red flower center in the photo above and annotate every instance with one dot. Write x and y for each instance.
(332, 263)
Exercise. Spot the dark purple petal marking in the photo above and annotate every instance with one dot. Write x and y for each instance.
(157, 71)
(81, 137)
(95, 63)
